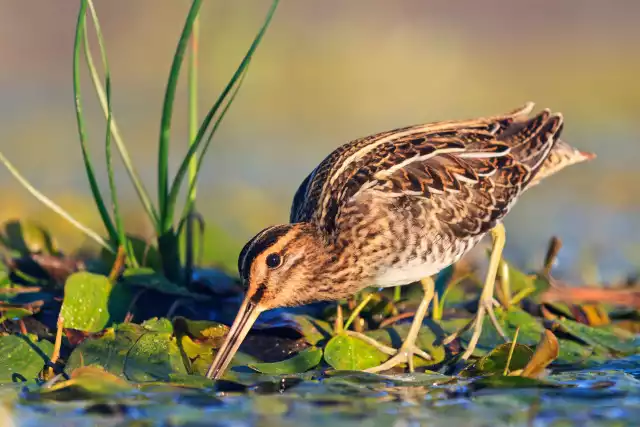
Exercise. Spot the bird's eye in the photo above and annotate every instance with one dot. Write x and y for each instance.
(274, 260)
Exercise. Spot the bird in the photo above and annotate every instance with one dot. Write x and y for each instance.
(395, 208)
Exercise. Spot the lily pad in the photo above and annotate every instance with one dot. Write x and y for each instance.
(198, 355)
(22, 359)
(601, 337)
(307, 359)
(350, 353)
(198, 341)
(200, 329)
(93, 381)
(131, 352)
(158, 325)
(501, 381)
(496, 361)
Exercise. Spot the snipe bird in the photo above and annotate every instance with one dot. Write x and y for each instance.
(395, 208)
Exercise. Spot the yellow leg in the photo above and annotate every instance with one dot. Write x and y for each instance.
(485, 305)
(409, 348)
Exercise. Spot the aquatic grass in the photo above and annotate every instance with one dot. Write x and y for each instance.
(193, 166)
(54, 206)
(86, 157)
(161, 216)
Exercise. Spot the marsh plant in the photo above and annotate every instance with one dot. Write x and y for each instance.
(169, 220)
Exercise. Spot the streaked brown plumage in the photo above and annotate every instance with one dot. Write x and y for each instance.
(396, 207)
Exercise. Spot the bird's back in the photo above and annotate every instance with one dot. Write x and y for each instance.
(463, 168)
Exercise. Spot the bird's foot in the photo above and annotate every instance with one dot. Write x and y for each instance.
(484, 307)
(398, 356)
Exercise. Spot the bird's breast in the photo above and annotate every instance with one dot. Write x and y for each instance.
(428, 257)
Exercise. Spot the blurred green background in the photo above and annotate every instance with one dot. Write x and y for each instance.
(328, 72)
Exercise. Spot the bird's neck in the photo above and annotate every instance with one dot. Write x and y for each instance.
(341, 270)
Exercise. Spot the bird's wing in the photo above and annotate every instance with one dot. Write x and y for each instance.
(464, 168)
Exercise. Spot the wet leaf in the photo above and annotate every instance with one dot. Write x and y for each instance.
(207, 330)
(350, 353)
(86, 302)
(307, 359)
(511, 382)
(22, 359)
(313, 330)
(131, 352)
(546, 352)
(144, 277)
(496, 361)
(155, 356)
(601, 337)
(198, 355)
(14, 313)
(93, 380)
(158, 325)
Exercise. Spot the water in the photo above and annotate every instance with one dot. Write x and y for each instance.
(605, 396)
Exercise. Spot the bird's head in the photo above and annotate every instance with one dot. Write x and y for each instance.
(279, 267)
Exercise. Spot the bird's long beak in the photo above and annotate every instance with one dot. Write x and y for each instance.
(249, 312)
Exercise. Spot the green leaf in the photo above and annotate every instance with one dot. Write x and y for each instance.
(4, 276)
(21, 359)
(87, 382)
(496, 361)
(147, 278)
(501, 382)
(350, 353)
(307, 359)
(530, 331)
(198, 340)
(14, 313)
(617, 342)
(132, 352)
(158, 325)
(313, 330)
(204, 330)
(153, 357)
(86, 302)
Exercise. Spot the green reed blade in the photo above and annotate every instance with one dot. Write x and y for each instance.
(95, 190)
(193, 166)
(167, 111)
(175, 188)
(53, 206)
(122, 238)
(193, 106)
(186, 210)
(141, 191)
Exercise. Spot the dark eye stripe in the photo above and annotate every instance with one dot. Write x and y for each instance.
(260, 243)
